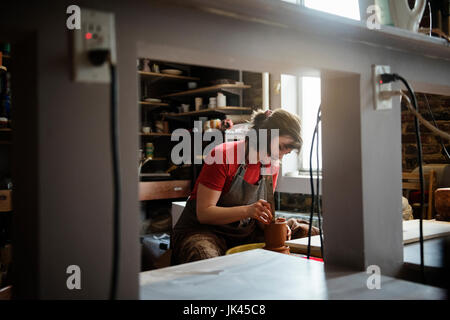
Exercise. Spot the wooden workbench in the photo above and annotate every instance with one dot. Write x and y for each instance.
(431, 229)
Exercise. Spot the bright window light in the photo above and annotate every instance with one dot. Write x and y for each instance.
(301, 96)
(309, 106)
(289, 102)
(344, 8)
(289, 93)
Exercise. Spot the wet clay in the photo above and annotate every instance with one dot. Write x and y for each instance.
(275, 236)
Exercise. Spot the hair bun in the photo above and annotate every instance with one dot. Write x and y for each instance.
(258, 119)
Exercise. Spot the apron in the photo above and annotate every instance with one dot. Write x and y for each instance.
(240, 232)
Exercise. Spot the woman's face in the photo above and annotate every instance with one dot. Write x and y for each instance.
(285, 146)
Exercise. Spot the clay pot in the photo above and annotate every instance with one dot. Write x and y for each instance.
(275, 236)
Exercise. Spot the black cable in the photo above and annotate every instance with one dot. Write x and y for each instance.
(419, 159)
(312, 183)
(98, 57)
(435, 124)
(311, 180)
(318, 182)
(114, 127)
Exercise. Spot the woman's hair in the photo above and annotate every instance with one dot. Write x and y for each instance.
(287, 123)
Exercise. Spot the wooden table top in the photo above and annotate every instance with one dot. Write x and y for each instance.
(264, 275)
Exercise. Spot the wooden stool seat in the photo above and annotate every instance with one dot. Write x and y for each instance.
(442, 204)
(411, 181)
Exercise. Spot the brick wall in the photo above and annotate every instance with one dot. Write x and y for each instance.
(431, 147)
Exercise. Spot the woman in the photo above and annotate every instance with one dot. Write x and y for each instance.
(226, 207)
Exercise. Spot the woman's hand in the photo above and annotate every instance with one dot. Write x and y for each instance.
(289, 233)
(261, 211)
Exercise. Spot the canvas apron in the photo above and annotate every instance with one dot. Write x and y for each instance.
(240, 232)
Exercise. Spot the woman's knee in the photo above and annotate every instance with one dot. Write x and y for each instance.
(199, 247)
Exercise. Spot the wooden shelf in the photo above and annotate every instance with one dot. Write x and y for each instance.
(159, 104)
(156, 159)
(219, 87)
(6, 136)
(165, 75)
(205, 112)
(168, 189)
(155, 134)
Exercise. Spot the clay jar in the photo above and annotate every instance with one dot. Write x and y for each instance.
(275, 236)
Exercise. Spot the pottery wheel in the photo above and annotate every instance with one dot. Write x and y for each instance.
(283, 249)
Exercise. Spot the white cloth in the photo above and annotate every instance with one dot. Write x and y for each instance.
(406, 210)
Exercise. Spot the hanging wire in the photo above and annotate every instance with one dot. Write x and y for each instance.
(318, 182)
(313, 202)
(419, 159)
(444, 149)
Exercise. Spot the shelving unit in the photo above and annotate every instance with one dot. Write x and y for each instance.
(230, 88)
(159, 104)
(157, 159)
(212, 112)
(173, 91)
(5, 136)
(155, 134)
(166, 76)
(161, 187)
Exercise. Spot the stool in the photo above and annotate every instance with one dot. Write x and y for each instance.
(442, 204)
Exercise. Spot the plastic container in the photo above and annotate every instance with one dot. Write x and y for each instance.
(149, 150)
(221, 100)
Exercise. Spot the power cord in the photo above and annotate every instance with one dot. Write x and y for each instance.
(438, 132)
(98, 58)
(319, 114)
(386, 78)
(316, 133)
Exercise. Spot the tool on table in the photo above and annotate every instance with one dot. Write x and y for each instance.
(269, 194)
(275, 233)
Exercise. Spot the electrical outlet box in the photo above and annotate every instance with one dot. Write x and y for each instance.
(378, 86)
(97, 32)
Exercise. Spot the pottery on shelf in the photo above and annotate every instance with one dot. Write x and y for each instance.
(407, 18)
(398, 13)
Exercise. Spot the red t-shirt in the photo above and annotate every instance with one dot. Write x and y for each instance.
(218, 176)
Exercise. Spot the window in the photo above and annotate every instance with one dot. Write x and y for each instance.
(344, 8)
(301, 95)
(310, 90)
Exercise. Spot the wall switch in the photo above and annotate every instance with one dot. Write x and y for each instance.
(378, 86)
(97, 32)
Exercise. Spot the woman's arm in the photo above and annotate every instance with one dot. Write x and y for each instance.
(209, 213)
